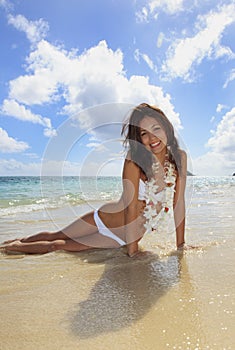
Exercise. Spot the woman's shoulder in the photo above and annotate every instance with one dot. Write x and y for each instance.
(130, 161)
(130, 169)
(183, 155)
(183, 160)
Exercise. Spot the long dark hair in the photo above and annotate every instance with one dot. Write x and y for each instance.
(139, 154)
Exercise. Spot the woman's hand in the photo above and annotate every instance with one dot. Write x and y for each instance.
(186, 247)
(140, 254)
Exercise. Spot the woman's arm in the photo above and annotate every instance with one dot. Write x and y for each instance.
(179, 202)
(131, 176)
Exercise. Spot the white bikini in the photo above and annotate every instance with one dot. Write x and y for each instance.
(105, 231)
(142, 189)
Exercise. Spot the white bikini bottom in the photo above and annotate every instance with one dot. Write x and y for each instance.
(105, 231)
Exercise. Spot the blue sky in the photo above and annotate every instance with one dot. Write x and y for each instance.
(71, 70)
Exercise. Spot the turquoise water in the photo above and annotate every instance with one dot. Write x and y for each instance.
(102, 299)
(23, 194)
(27, 201)
(29, 193)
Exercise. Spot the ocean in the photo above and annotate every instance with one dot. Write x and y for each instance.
(102, 299)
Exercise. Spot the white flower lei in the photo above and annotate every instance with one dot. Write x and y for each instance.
(155, 221)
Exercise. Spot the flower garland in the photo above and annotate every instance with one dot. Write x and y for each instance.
(155, 198)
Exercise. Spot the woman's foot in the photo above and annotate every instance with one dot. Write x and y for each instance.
(11, 241)
(28, 248)
(42, 247)
(12, 246)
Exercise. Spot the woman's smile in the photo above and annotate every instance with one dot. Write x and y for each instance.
(155, 145)
(152, 134)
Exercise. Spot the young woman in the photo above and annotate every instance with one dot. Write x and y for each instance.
(153, 168)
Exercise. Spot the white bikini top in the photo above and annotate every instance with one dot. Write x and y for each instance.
(142, 197)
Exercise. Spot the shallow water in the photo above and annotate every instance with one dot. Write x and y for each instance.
(102, 299)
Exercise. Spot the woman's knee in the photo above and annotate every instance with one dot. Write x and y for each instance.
(59, 244)
(15, 245)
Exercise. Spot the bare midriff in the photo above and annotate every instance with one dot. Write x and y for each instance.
(113, 216)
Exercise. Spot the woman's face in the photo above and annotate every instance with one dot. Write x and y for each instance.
(152, 135)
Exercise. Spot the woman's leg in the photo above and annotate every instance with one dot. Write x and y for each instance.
(41, 236)
(95, 240)
(80, 227)
(43, 247)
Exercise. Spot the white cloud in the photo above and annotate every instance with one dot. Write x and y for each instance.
(160, 39)
(142, 15)
(137, 55)
(110, 168)
(145, 57)
(220, 160)
(34, 30)
(99, 147)
(44, 89)
(185, 53)
(213, 164)
(148, 60)
(31, 155)
(57, 168)
(94, 77)
(168, 6)
(10, 145)
(52, 168)
(223, 138)
(220, 107)
(14, 109)
(49, 132)
(230, 78)
(153, 7)
(212, 119)
(7, 5)
(79, 81)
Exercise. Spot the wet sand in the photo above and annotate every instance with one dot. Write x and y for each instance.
(104, 300)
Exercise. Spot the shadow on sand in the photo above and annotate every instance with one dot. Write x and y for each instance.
(126, 291)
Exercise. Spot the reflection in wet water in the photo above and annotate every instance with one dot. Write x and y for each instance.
(102, 299)
(125, 292)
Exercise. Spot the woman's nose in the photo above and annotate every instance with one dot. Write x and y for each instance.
(152, 137)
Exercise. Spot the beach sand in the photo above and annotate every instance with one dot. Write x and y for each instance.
(104, 300)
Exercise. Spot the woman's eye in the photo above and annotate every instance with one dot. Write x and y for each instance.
(143, 133)
(156, 129)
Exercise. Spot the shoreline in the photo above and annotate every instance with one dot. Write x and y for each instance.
(102, 298)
